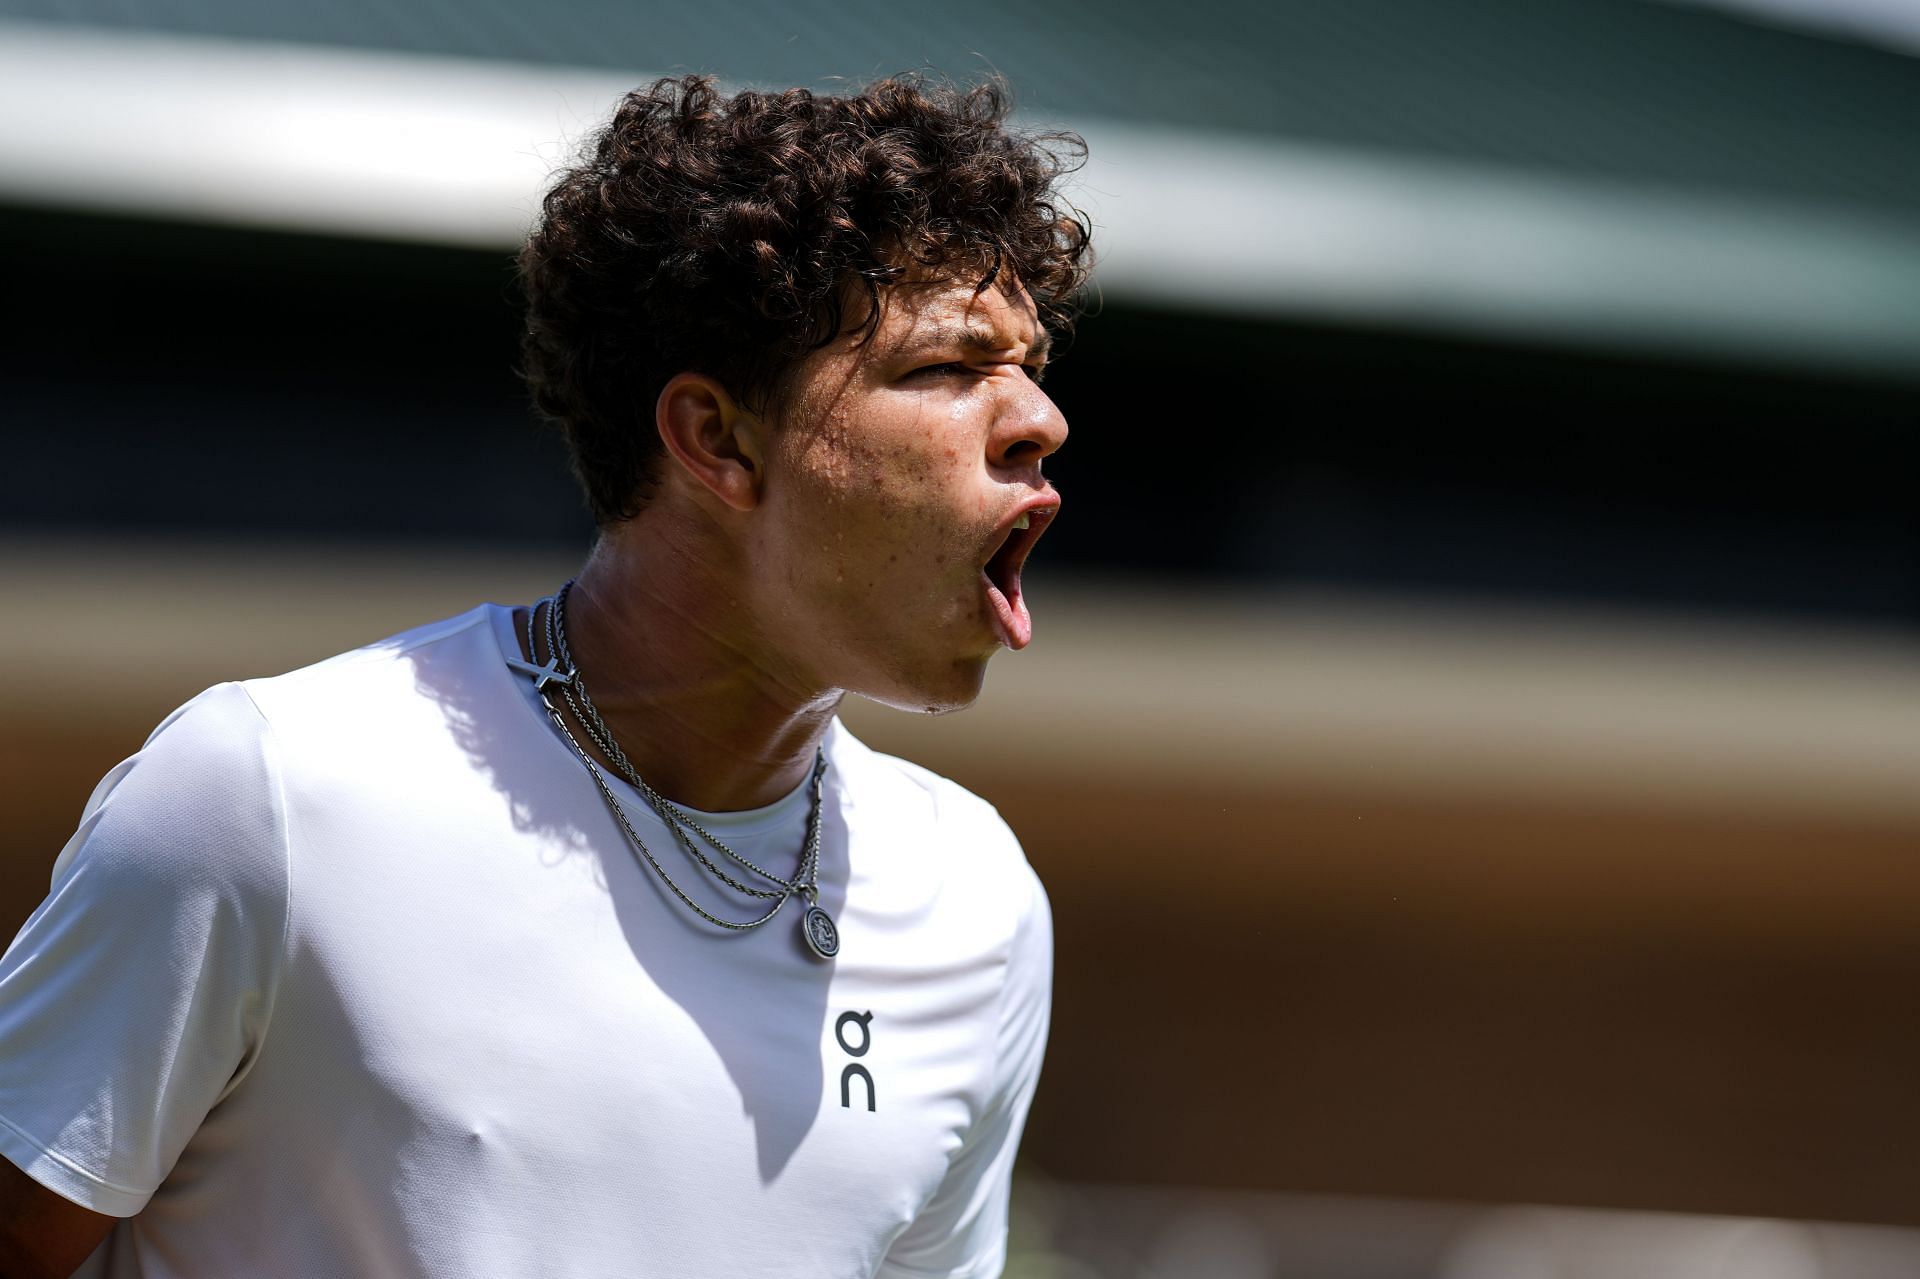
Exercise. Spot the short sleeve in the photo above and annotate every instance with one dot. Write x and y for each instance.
(139, 992)
(961, 1233)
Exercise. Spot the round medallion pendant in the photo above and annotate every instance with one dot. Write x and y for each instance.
(823, 938)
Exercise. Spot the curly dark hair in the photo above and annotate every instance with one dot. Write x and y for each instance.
(728, 236)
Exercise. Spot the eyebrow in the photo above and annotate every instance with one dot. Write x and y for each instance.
(977, 337)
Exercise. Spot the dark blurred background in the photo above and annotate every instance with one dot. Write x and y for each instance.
(1473, 740)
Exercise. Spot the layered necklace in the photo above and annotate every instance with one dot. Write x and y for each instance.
(559, 677)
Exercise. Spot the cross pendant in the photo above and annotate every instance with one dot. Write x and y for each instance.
(542, 675)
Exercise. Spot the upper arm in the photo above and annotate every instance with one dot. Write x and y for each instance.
(138, 993)
(43, 1235)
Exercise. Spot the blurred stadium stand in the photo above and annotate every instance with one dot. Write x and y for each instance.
(1473, 740)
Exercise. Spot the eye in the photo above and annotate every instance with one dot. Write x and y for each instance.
(1037, 372)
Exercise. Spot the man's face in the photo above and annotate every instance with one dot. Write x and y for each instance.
(896, 481)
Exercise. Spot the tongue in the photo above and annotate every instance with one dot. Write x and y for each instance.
(1010, 615)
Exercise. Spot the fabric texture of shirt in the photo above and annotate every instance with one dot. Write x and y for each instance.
(352, 971)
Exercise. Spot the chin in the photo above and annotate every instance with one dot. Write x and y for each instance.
(953, 689)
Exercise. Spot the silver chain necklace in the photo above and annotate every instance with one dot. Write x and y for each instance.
(559, 670)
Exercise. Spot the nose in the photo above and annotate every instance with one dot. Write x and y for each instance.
(1028, 427)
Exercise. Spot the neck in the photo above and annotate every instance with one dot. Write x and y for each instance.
(677, 671)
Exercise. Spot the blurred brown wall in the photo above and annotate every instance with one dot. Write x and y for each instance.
(1353, 964)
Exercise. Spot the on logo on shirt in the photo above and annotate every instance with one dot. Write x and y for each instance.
(854, 1069)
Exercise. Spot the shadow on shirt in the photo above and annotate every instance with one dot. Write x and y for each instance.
(759, 998)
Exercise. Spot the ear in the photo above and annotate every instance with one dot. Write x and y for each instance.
(718, 443)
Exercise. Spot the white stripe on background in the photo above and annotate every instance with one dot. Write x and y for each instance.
(457, 152)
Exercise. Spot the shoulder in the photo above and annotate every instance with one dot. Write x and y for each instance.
(983, 861)
(899, 787)
(363, 722)
(375, 670)
(196, 813)
(206, 794)
(216, 747)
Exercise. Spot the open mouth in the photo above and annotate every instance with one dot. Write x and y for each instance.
(1002, 575)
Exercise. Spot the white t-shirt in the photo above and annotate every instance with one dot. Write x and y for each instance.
(352, 972)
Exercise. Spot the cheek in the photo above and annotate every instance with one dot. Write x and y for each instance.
(883, 518)
(902, 480)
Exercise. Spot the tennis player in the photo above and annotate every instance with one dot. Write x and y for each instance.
(580, 938)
